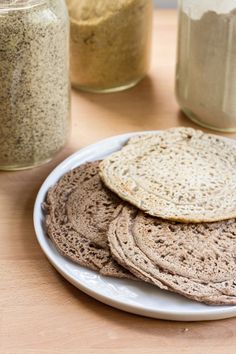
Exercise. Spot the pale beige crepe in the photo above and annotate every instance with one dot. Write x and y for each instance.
(179, 174)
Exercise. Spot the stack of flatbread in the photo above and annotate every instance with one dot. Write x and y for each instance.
(160, 210)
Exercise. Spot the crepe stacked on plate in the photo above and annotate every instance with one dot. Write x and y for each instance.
(165, 216)
(78, 212)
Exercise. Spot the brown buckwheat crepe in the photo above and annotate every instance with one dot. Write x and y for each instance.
(193, 260)
(78, 212)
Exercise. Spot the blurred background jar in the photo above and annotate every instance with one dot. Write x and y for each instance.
(34, 81)
(206, 62)
(110, 43)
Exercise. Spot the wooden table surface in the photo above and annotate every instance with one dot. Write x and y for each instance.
(42, 313)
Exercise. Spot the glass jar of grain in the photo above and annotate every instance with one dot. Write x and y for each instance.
(206, 71)
(110, 43)
(34, 81)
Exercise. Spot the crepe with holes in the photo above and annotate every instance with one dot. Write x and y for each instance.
(78, 210)
(194, 260)
(179, 174)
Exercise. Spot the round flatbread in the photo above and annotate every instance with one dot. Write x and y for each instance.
(179, 174)
(185, 259)
(78, 210)
(202, 252)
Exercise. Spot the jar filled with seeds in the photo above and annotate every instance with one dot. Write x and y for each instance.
(34, 81)
(110, 43)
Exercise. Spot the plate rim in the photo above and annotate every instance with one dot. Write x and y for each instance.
(221, 312)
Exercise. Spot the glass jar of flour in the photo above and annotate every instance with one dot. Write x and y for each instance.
(206, 69)
(34, 81)
(110, 43)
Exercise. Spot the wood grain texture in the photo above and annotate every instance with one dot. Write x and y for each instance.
(41, 313)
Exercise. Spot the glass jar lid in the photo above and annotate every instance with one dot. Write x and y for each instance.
(196, 8)
(11, 5)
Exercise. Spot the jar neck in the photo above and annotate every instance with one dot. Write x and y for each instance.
(13, 5)
(196, 9)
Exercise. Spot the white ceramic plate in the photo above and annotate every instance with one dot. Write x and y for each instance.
(135, 297)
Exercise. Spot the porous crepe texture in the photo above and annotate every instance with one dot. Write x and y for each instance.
(167, 254)
(78, 211)
(179, 174)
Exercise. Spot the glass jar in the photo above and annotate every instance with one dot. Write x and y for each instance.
(110, 43)
(206, 70)
(34, 81)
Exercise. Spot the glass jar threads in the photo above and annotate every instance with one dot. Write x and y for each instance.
(34, 77)
(206, 72)
(110, 43)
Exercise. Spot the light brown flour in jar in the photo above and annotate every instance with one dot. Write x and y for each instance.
(110, 42)
(206, 70)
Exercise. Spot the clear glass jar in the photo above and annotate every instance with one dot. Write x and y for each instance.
(34, 81)
(110, 43)
(206, 70)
